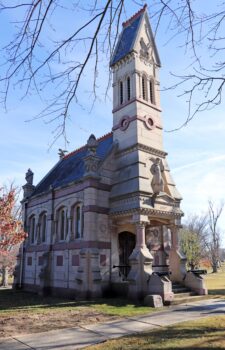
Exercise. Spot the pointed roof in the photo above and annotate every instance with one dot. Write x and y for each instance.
(128, 37)
(71, 167)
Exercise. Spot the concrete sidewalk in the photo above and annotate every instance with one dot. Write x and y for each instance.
(80, 337)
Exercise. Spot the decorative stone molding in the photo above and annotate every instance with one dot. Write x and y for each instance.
(147, 211)
(125, 121)
(141, 147)
(147, 103)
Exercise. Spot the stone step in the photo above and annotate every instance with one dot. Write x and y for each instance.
(188, 299)
(183, 295)
(180, 290)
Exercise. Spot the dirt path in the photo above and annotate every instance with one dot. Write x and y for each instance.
(27, 322)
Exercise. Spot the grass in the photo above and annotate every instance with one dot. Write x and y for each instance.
(207, 333)
(23, 312)
(14, 302)
(216, 282)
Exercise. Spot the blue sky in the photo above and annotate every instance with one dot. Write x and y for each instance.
(196, 152)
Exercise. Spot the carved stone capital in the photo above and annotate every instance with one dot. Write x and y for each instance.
(140, 219)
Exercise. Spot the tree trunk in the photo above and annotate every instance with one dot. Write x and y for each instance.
(214, 267)
(5, 275)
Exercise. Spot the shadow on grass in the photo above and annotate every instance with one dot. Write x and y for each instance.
(189, 338)
(16, 300)
(216, 292)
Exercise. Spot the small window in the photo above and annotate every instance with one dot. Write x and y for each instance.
(151, 91)
(75, 260)
(59, 260)
(128, 88)
(29, 260)
(144, 88)
(121, 92)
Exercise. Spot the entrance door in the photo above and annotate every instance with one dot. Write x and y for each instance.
(126, 246)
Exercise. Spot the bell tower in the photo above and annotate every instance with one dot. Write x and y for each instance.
(136, 98)
(144, 200)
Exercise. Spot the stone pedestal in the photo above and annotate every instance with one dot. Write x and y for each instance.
(161, 285)
(177, 260)
(196, 283)
(88, 276)
(141, 264)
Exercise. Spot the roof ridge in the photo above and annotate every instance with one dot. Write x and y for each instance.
(137, 14)
(83, 147)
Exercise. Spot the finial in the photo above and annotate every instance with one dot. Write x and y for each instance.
(62, 153)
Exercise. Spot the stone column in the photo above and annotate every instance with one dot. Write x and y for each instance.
(177, 260)
(114, 252)
(140, 261)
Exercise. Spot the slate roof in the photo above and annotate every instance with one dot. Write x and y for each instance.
(71, 167)
(126, 40)
(128, 37)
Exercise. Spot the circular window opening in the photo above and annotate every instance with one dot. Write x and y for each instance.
(150, 122)
(124, 123)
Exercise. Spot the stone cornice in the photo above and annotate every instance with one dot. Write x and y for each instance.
(144, 148)
(147, 211)
(77, 244)
(146, 103)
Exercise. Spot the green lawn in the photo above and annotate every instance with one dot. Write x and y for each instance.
(216, 282)
(12, 302)
(22, 312)
(207, 333)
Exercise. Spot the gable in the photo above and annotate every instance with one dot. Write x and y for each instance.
(144, 43)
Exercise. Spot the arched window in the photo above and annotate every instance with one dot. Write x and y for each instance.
(61, 225)
(78, 221)
(121, 92)
(144, 88)
(43, 227)
(128, 88)
(32, 229)
(151, 91)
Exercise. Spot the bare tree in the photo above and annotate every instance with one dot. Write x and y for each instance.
(201, 237)
(37, 47)
(193, 239)
(213, 239)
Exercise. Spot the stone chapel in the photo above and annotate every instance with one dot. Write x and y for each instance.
(106, 217)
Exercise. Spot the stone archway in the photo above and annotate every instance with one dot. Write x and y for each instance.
(127, 241)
